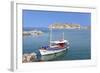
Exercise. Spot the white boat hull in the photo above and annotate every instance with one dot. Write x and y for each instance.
(47, 52)
(49, 55)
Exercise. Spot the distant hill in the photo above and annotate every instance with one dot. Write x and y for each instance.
(68, 26)
(65, 26)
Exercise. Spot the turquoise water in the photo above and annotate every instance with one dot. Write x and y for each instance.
(80, 43)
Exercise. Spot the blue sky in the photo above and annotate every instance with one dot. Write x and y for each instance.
(34, 18)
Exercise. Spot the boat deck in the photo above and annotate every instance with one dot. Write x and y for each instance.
(51, 48)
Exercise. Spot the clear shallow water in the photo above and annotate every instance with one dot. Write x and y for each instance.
(80, 47)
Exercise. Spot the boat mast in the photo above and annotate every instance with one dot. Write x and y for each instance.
(50, 36)
(63, 35)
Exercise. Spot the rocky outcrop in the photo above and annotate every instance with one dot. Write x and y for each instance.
(29, 57)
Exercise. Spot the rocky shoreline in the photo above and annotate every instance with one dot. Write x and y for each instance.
(29, 57)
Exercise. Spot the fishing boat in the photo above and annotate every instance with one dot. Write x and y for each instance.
(54, 49)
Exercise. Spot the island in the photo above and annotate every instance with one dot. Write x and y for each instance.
(33, 33)
(67, 26)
